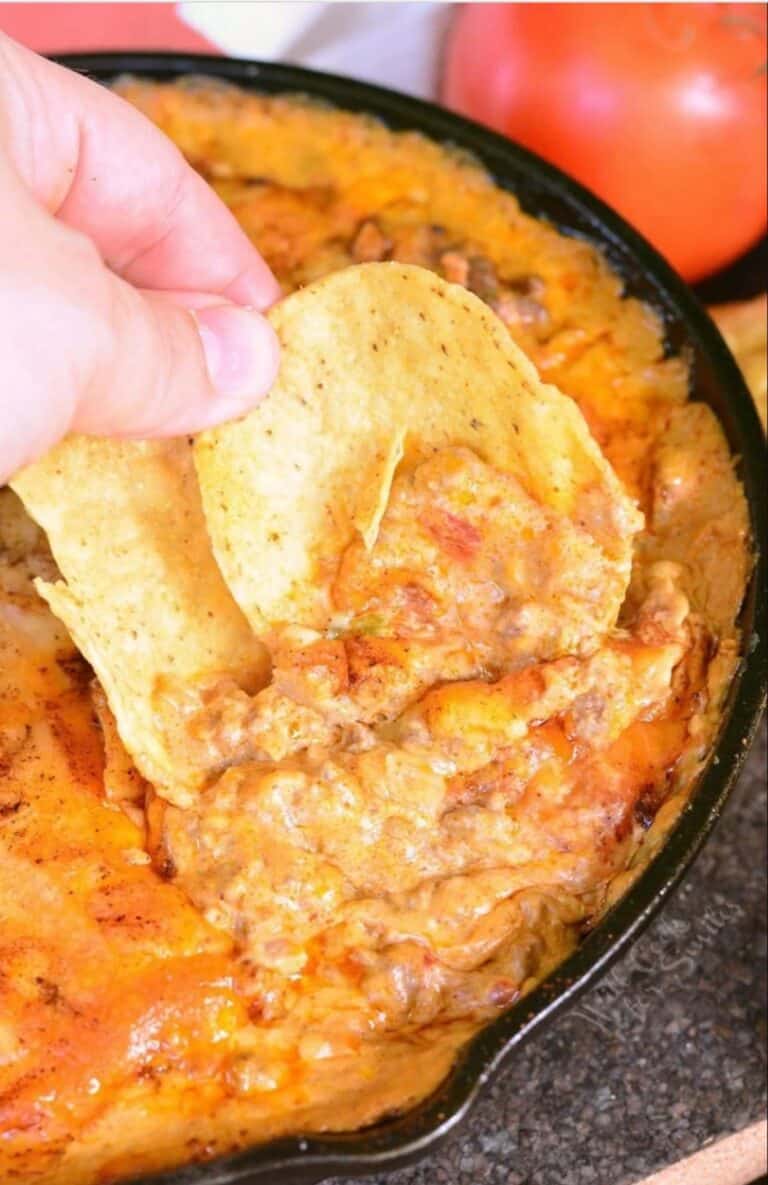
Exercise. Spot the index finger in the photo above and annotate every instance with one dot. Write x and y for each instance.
(103, 168)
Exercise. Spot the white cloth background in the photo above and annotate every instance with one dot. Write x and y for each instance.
(395, 44)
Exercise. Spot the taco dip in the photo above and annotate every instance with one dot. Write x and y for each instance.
(329, 734)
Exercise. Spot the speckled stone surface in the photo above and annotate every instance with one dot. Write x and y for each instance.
(663, 1055)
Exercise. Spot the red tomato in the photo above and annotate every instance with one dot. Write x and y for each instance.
(659, 108)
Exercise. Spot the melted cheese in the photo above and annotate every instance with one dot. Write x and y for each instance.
(315, 941)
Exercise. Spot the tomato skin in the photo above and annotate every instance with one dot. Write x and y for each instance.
(658, 108)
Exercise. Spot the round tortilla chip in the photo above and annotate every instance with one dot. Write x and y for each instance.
(381, 361)
(141, 594)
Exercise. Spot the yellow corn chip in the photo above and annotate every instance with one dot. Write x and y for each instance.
(374, 355)
(141, 593)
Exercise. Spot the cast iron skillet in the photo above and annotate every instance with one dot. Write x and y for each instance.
(547, 193)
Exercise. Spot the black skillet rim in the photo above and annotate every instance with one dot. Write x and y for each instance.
(545, 190)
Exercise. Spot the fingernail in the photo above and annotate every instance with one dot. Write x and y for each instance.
(241, 351)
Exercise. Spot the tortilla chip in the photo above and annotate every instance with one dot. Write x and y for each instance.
(373, 500)
(373, 354)
(143, 598)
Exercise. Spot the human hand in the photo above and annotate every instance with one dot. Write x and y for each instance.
(130, 299)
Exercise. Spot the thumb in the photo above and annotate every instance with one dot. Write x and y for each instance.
(173, 363)
(82, 350)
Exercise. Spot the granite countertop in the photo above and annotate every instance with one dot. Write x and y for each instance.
(663, 1055)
